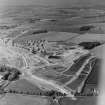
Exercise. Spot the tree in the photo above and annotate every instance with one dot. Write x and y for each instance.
(89, 45)
(6, 75)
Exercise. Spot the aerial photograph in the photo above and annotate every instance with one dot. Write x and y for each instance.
(52, 52)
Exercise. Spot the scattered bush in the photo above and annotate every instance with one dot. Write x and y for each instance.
(36, 46)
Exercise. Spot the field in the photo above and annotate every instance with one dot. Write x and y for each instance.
(68, 26)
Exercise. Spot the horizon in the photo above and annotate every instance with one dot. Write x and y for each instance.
(59, 3)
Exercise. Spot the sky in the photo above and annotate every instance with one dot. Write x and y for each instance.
(51, 2)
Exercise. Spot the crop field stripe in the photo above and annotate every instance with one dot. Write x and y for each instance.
(77, 65)
(76, 83)
(87, 69)
(65, 79)
(79, 71)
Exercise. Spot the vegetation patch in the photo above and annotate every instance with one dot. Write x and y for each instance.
(89, 45)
